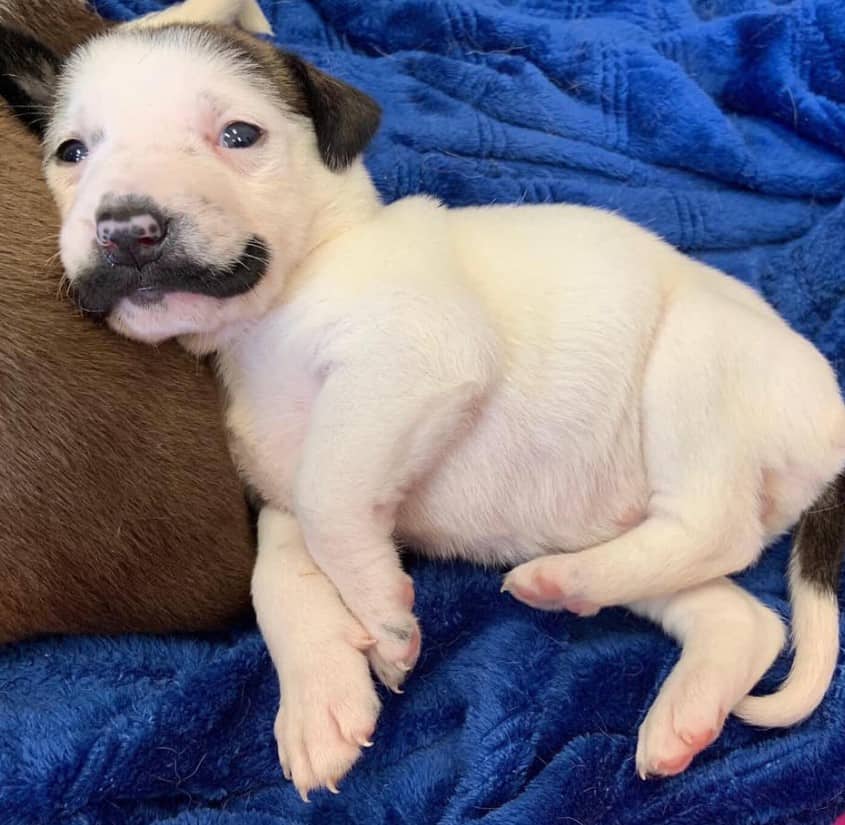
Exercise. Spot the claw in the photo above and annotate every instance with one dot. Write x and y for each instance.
(304, 795)
(365, 743)
(332, 788)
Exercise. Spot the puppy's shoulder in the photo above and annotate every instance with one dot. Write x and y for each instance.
(404, 247)
(394, 281)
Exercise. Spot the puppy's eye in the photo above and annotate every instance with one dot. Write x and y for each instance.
(240, 135)
(72, 151)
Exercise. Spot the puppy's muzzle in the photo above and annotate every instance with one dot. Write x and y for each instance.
(140, 254)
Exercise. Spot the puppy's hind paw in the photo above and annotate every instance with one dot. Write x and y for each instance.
(686, 717)
(550, 583)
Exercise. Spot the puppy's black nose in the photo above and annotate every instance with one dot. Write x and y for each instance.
(131, 234)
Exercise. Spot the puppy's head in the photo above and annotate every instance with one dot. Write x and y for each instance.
(190, 163)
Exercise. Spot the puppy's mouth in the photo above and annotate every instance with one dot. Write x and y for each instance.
(98, 290)
(146, 296)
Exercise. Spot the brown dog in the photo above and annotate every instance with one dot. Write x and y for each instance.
(120, 507)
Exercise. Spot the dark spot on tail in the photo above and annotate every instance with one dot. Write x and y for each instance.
(820, 537)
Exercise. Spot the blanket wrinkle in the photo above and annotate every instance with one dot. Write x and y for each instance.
(718, 124)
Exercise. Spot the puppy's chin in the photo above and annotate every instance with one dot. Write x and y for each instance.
(174, 315)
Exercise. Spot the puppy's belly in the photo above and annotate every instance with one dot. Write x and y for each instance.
(500, 502)
(477, 533)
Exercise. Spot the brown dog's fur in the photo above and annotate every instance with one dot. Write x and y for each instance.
(120, 508)
(59, 24)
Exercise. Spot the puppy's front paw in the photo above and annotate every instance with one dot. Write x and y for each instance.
(551, 583)
(328, 713)
(396, 651)
(391, 624)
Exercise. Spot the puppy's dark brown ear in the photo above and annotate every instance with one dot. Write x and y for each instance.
(345, 119)
(28, 73)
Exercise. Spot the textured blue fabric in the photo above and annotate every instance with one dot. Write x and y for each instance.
(718, 123)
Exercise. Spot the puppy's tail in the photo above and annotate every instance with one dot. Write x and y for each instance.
(813, 584)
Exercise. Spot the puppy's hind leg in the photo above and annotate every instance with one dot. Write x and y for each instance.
(704, 480)
(729, 640)
(671, 550)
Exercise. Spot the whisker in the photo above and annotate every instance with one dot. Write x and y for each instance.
(63, 287)
(250, 257)
(38, 110)
(52, 237)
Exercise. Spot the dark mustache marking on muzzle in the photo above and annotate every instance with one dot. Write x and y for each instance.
(98, 290)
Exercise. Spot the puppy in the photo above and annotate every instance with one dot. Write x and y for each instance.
(122, 510)
(507, 385)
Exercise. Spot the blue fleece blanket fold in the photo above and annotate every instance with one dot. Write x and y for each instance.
(718, 123)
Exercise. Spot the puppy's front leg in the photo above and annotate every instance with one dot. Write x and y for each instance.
(328, 705)
(373, 433)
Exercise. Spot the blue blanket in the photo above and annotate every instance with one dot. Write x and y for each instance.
(718, 123)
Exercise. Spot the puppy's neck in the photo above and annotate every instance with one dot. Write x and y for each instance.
(342, 202)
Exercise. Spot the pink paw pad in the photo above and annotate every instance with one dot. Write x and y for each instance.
(546, 594)
(414, 647)
(672, 767)
(678, 764)
(407, 595)
(700, 741)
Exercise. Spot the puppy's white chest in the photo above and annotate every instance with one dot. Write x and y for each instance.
(270, 397)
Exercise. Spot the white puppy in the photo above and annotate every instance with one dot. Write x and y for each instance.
(506, 385)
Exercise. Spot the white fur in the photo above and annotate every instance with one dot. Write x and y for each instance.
(499, 384)
(329, 706)
(730, 640)
(815, 640)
